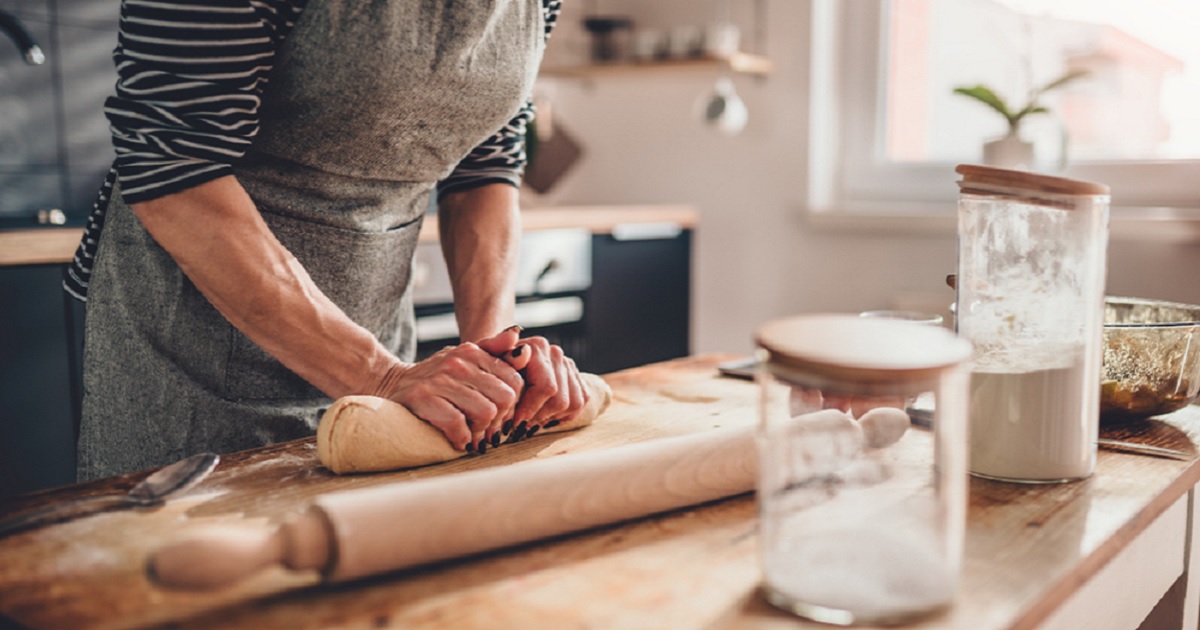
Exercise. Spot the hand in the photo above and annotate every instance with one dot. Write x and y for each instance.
(553, 389)
(461, 390)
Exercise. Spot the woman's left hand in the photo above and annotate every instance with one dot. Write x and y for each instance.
(553, 388)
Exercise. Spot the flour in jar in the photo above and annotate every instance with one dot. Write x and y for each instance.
(874, 572)
(1036, 424)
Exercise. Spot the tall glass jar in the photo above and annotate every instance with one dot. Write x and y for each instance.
(1030, 297)
(862, 466)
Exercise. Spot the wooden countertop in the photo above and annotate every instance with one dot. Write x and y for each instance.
(1029, 547)
(39, 246)
(596, 219)
(56, 245)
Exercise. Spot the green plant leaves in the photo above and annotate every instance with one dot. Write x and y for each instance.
(986, 96)
(1060, 81)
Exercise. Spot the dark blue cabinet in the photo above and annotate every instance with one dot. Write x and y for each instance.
(639, 302)
(37, 365)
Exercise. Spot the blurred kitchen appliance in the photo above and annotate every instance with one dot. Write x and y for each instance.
(554, 273)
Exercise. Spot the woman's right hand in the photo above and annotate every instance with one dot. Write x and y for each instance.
(461, 389)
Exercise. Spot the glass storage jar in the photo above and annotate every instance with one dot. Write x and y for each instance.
(862, 466)
(1030, 298)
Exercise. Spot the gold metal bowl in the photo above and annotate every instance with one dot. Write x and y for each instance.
(1151, 358)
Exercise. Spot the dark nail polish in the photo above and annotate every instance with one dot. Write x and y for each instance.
(552, 423)
(519, 432)
(516, 352)
(507, 428)
(482, 447)
(470, 447)
(495, 440)
(532, 431)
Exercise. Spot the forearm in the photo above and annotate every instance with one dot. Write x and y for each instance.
(480, 232)
(216, 235)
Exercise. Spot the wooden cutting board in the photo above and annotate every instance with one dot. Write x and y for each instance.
(91, 571)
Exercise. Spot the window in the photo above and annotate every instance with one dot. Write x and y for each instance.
(888, 128)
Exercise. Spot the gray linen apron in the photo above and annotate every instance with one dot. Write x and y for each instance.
(370, 103)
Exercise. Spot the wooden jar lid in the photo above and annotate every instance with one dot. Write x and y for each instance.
(988, 180)
(849, 347)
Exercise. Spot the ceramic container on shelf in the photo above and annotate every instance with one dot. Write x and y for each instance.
(1009, 151)
(722, 40)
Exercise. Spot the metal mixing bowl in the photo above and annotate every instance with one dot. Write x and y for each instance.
(1151, 358)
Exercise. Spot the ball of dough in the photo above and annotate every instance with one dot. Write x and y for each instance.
(883, 426)
(370, 434)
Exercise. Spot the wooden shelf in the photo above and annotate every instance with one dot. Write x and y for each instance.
(741, 63)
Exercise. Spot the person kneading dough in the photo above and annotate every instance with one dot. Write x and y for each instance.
(248, 259)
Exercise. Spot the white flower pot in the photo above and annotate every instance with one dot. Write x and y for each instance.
(1008, 152)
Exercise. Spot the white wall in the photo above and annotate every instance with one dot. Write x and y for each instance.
(755, 256)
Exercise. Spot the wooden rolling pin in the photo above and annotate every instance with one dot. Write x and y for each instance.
(351, 534)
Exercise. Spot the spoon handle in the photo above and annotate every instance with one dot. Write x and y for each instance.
(1144, 449)
(60, 511)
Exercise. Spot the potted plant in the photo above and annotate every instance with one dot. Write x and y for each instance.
(1011, 151)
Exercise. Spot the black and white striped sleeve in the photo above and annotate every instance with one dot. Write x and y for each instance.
(190, 76)
(501, 158)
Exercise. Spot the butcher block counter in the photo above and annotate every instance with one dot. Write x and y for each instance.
(56, 245)
(1099, 553)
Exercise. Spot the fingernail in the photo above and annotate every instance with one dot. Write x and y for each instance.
(482, 447)
(519, 432)
(552, 423)
(516, 352)
(495, 440)
(470, 447)
(507, 428)
(532, 431)
(516, 327)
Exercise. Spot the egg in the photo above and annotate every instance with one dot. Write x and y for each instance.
(883, 426)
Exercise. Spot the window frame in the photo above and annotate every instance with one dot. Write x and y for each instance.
(848, 183)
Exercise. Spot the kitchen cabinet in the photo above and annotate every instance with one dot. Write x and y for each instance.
(638, 306)
(37, 412)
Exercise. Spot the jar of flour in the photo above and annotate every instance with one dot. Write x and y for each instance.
(1030, 298)
(862, 509)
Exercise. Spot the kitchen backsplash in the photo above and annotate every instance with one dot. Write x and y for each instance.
(54, 139)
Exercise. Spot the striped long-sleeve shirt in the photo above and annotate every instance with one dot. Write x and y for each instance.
(190, 79)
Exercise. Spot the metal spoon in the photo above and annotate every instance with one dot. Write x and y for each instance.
(1144, 449)
(165, 482)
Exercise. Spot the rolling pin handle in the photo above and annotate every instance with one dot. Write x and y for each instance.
(218, 556)
(308, 542)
